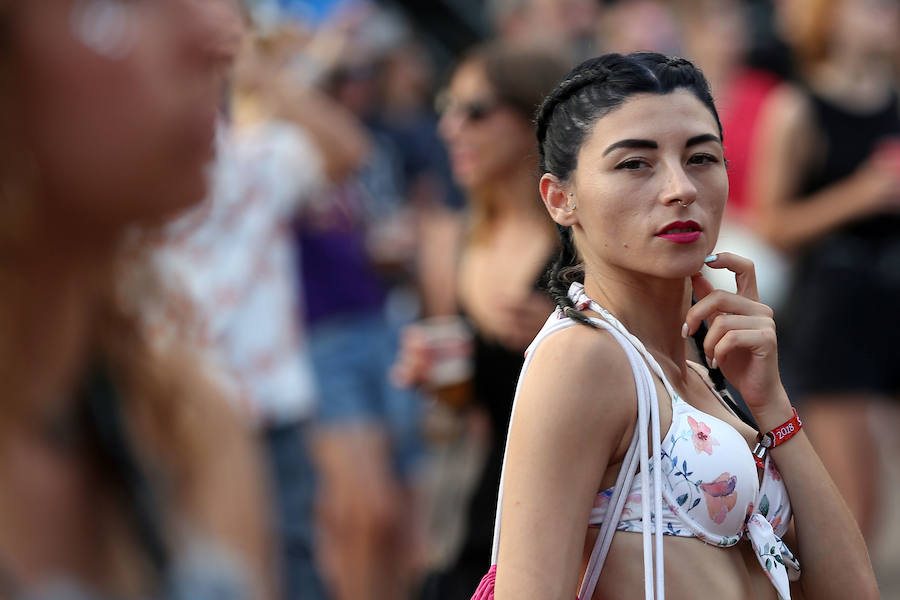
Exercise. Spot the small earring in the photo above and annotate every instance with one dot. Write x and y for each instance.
(571, 206)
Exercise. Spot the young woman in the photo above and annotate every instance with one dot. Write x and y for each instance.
(487, 127)
(827, 181)
(635, 177)
(124, 473)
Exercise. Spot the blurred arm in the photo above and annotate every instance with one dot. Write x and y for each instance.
(784, 150)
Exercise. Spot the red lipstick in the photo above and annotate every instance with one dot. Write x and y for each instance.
(681, 232)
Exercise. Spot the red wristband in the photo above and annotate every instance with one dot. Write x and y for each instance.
(776, 437)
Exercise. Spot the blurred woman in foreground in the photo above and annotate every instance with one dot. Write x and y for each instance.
(124, 475)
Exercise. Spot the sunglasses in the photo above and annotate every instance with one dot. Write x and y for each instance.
(472, 111)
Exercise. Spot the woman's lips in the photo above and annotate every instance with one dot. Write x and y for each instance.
(681, 232)
(681, 238)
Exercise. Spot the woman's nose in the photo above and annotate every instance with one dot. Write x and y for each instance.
(678, 187)
(212, 31)
(450, 125)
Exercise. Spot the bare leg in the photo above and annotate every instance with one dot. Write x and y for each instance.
(360, 513)
(839, 427)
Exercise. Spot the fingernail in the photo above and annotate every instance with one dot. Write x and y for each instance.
(684, 330)
(711, 258)
(713, 364)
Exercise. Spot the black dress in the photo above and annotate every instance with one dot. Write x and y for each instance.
(496, 373)
(843, 318)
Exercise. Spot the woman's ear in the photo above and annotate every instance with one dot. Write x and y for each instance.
(559, 200)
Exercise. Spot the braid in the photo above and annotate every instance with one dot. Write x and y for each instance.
(676, 62)
(562, 272)
(594, 74)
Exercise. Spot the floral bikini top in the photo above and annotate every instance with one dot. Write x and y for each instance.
(700, 478)
(711, 491)
(710, 484)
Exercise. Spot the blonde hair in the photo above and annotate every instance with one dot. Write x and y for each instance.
(807, 28)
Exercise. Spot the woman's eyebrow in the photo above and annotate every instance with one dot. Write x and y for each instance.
(638, 143)
(630, 143)
(700, 139)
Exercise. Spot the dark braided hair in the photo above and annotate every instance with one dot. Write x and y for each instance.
(565, 119)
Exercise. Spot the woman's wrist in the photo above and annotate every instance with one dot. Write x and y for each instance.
(776, 426)
(776, 412)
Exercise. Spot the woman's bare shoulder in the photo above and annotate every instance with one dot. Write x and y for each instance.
(585, 373)
(787, 109)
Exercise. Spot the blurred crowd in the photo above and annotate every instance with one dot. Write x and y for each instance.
(269, 268)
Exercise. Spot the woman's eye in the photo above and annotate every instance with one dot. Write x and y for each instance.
(632, 164)
(702, 159)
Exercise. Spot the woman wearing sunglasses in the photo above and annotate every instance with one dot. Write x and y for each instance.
(487, 127)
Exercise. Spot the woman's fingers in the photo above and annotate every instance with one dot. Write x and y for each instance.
(744, 273)
(758, 342)
(724, 324)
(702, 289)
(412, 363)
(702, 286)
(718, 304)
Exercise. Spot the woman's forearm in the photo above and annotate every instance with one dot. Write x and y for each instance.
(790, 224)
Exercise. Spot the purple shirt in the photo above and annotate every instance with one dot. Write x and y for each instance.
(338, 277)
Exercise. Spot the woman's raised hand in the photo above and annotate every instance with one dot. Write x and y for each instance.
(413, 362)
(741, 340)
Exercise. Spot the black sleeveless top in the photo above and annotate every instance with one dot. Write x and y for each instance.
(848, 139)
(839, 322)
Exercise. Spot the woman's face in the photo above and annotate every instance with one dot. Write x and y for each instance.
(870, 27)
(635, 170)
(118, 102)
(487, 140)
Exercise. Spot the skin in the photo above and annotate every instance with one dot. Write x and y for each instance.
(559, 459)
(172, 77)
(114, 142)
(477, 159)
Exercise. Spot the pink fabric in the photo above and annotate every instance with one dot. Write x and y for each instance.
(485, 589)
(739, 114)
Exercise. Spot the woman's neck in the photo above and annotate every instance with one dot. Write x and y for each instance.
(515, 197)
(50, 296)
(652, 310)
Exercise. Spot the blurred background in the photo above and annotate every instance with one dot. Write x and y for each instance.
(365, 271)
(448, 234)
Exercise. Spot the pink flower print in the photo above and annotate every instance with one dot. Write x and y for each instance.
(776, 522)
(773, 471)
(720, 496)
(703, 442)
(632, 505)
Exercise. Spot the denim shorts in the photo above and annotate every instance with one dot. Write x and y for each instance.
(351, 356)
